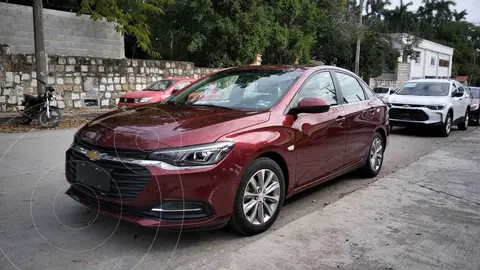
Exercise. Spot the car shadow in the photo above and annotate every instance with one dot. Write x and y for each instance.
(417, 132)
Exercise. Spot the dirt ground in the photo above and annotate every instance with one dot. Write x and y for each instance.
(71, 118)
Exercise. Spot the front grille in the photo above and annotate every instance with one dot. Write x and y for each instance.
(408, 114)
(127, 100)
(127, 180)
(114, 152)
(408, 105)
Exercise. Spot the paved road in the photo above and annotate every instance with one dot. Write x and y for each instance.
(42, 228)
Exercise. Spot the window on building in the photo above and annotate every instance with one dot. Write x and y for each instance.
(432, 61)
(443, 63)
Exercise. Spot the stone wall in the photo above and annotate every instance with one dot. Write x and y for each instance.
(65, 33)
(402, 75)
(83, 81)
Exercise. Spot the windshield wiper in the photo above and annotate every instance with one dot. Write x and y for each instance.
(212, 106)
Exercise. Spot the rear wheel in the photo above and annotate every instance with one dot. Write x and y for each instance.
(374, 161)
(466, 121)
(476, 119)
(49, 121)
(259, 197)
(446, 127)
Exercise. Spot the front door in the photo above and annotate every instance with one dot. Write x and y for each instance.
(320, 138)
(458, 102)
(361, 118)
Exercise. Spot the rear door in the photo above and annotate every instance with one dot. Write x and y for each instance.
(321, 138)
(361, 117)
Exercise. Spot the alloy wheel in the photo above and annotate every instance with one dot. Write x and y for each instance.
(376, 154)
(467, 120)
(448, 126)
(261, 197)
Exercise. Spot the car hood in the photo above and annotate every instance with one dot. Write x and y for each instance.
(158, 126)
(141, 94)
(417, 100)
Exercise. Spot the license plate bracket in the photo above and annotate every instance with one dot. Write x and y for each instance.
(93, 176)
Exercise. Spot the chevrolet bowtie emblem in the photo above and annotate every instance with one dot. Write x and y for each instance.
(93, 155)
(406, 105)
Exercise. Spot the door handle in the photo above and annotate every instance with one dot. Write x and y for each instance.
(340, 119)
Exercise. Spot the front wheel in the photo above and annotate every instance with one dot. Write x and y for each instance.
(49, 121)
(259, 197)
(446, 127)
(466, 121)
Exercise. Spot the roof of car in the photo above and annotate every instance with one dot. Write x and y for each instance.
(431, 80)
(286, 67)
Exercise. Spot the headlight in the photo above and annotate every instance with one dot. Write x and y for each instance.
(142, 100)
(196, 155)
(436, 107)
(474, 107)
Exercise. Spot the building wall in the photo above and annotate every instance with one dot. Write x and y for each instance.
(432, 52)
(65, 33)
(78, 79)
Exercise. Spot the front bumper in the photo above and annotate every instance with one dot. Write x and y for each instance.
(401, 116)
(155, 197)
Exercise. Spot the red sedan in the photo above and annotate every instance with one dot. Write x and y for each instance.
(249, 138)
(156, 92)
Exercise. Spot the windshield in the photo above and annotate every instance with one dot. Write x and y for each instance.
(424, 89)
(239, 89)
(475, 92)
(160, 85)
(380, 90)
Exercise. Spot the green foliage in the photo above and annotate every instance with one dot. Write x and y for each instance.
(221, 33)
(130, 16)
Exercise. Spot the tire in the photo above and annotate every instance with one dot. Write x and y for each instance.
(476, 120)
(446, 127)
(370, 169)
(51, 122)
(26, 120)
(247, 197)
(466, 121)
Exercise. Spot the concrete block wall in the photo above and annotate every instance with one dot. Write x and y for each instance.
(80, 80)
(402, 75)
(65, 33)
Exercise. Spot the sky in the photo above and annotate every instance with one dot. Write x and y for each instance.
(472, 7)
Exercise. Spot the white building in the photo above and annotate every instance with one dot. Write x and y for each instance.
(433, 60)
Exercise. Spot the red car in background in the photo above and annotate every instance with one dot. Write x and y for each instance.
(156, 92)
(475, 105)
(229, 148)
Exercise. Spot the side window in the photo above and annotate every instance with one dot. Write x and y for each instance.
(461, 89)
(368, 92)
(319, 86)
(351, 89)
(181, 85)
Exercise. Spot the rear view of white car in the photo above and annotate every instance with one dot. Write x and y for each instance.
(431, 102)
(383, 92)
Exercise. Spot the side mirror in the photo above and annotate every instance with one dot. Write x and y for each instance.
(457, 94)
(392, 92)
(311, 105)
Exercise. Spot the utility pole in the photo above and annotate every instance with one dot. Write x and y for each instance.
(40, 55)
(357, 53)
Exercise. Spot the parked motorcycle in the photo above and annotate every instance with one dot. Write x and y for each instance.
(39, 107)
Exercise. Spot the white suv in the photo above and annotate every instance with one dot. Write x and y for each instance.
(438, 102)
